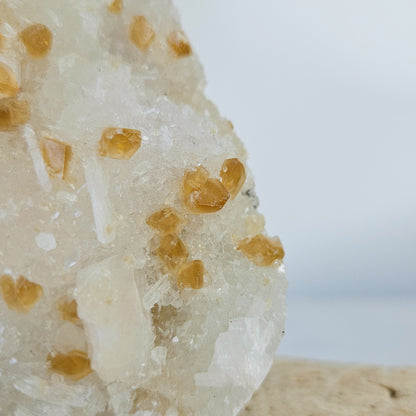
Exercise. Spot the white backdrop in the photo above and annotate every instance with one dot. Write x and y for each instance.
(323, 94)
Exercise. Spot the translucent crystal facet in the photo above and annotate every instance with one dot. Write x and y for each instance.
(75, 365)
(69, 310)
(193, 180)
(118, 143)
(141, 32)
(116, 6)
(233, 176)
(211, 197)
(21, 295)
(56, 156)
(37, 39)
(172, 251)
(13, 113)
(167, 220)
(202, 194)
(179, 44)
(261, 250)
(191, 275)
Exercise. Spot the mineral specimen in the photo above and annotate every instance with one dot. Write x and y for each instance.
(137, 278)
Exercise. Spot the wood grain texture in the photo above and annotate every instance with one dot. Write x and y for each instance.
(302, 388)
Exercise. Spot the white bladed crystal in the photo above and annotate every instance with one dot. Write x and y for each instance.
(117, 327)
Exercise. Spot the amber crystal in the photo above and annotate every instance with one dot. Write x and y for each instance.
(179, 44)
(13, 113)
(8, 83)
(194, 179)
(202, 194)
(37, 40)
(119, 143)
(233, 176)
(20, 295)
(166, 220)
(56, 156)
(211, 197)
(262, 250)
(69, 310)
(75, 365)
(172, 251)
(116, 6)
(191, 275)
(141, 32)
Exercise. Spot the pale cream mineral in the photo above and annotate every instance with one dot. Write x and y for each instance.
(302, 388)
(136, 275)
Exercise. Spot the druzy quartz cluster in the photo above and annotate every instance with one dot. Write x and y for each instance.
(136, 277)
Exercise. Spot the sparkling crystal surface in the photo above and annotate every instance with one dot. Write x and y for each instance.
(166, 220)
(233, 176)
(150, 286)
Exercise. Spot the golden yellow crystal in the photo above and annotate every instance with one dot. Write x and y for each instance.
(69, 310)
(2, 42)
(116, 6)
(179, 44)
(202, 194)
(211, 197)
(8, 82)
(166, 220)
(261, 250)
(20, 295)
(172, 251)
(141, 32)
(194, 179)
(13, 113)
(233, 176)
(191, 275)
(118, 143)
(75, 365)
(37, 40)
(56, 156)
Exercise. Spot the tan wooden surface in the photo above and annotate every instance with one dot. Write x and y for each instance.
(302, 388)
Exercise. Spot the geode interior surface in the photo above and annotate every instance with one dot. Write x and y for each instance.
(136, 275)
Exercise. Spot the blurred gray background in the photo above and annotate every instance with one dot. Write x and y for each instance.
(323, 94)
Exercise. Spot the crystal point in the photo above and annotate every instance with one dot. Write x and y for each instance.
(20, 295)
(179, 44)
(233, 176)
(118, 143)
(37, 39)
(141, 32)
(75, 365)
(166, 220)
(261, 250)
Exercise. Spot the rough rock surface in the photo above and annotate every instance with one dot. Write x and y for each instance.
(302, 388)
(136, 277)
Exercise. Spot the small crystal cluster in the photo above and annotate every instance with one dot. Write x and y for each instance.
(136, 277)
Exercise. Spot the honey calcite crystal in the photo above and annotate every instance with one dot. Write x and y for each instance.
(136, 274)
